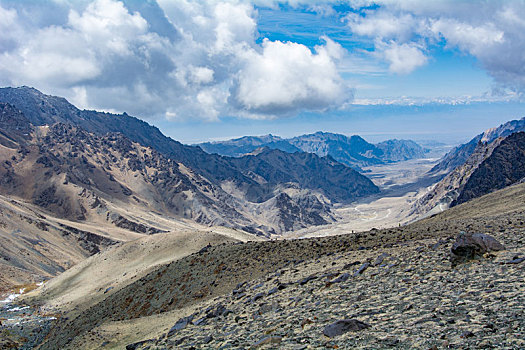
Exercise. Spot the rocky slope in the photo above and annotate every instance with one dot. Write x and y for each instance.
(460, 164)
(80, 191)
(503, 167)
(74, 175)
(41, 109)
(447, 190)
(353, 151)
(460, 154)
(397, 285)
(240, 179)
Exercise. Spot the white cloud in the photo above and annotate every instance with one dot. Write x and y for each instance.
(200, 59)
(287, 76)
(169, 59)
(404, 58)
(475, 40)
(493, 31)
(382, 24)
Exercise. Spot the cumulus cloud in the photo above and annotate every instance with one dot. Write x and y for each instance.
(382, 24)
(403, 58)
(171, 59)
(202, 59)
(287, 76)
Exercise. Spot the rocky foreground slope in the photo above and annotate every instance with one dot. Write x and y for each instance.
(397, 285)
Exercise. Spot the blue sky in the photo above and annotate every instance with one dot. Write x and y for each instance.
(209, 70)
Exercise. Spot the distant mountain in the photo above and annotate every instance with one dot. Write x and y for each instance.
(353, 151)
(168, 176)
(400, 150)
(505, 166)
(335, 180)
(459, 155)
(241, 146)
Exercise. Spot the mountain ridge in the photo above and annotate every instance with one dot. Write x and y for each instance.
(352, 151)
(459, 165)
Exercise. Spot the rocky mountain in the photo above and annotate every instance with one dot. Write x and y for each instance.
(337, 182)
(503, 167)
(247, 144)
(460, 154)
(353, 151)
(41, 109)
(400, 150)
(114, 178)
(478, 151)
(234, 185)
(448, 189)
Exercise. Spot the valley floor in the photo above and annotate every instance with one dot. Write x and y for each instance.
(401, 185)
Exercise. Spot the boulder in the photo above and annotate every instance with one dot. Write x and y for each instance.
(343, 326)
(471, 245)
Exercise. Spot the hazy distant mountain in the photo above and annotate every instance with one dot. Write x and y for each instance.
(399, 150)
(353, 151)
(241, 146)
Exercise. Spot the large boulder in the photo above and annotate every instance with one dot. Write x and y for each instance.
(343, 326)
(472, 245)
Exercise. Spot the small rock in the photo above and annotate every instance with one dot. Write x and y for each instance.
(467, 334)
(267, 340)
(218, 310)
(347, 266)
(180, 324)
(200, 321)
(345, 276)
(138, 344)
(362, 269)
(516, 260)
(204, 249)
(257, 296)
(306, 280)
(380, 258)
(207, 339)
(343, 326)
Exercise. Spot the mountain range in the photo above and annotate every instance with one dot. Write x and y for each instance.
(353, 151)
(177, 179)
(80, 181)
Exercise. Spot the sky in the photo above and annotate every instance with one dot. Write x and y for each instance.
(212, 70)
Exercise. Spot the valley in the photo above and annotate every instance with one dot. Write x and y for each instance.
(401, 183)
